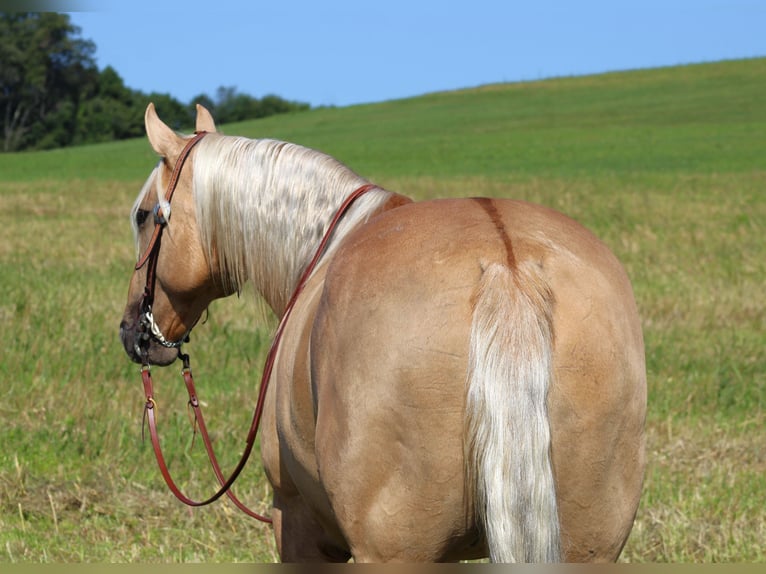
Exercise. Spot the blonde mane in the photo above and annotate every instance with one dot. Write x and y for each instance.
(263, 205)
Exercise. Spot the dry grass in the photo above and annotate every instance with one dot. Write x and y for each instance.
(703, 495)
(77, 484)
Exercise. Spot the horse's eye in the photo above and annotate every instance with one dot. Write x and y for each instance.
(141, 216)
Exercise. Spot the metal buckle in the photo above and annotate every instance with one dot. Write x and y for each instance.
(159, 217)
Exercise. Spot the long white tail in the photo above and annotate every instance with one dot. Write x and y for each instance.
(508, 435)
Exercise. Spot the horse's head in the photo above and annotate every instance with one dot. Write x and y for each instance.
(173, 282)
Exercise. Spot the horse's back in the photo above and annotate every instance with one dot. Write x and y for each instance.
(389, 348)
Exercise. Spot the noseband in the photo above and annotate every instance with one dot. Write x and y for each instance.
(147, 327)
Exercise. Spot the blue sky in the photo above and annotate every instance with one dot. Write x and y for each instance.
(342, 52)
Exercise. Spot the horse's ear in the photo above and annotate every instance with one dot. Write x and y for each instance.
(163, 140)
(205, 121)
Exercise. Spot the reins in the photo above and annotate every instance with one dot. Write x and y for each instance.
(150, 407)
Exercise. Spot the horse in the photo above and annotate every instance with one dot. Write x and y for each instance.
(458, 379)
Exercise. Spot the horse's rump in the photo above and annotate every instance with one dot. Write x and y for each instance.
(390, 361)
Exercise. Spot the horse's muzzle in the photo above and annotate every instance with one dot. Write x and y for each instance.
(142, 348)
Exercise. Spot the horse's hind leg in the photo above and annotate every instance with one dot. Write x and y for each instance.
(299, 536)
(394, 499)
(392, 522)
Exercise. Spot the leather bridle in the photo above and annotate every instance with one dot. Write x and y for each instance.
(147, 326)
(159, 218)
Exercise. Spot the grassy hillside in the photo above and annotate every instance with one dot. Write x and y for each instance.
(703, 118)
(667, 166)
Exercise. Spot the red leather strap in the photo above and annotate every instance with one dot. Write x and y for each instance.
(172, 184)
(150, 415)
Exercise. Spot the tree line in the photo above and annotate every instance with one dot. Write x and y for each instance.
(52, 93)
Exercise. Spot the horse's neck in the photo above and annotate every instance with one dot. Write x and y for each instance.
(281, 199)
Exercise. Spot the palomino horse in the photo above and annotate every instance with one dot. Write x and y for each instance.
(458, 378)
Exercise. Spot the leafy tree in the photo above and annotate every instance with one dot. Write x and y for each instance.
(273, 104)
(233, 106)
(109, 112)
(44, 69)
(53, 95)
(177, 115)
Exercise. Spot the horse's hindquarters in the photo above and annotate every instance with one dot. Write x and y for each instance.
(388, 363)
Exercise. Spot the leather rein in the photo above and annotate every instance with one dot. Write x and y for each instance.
(149, 330)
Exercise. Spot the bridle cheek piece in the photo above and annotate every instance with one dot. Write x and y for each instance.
(147, 328)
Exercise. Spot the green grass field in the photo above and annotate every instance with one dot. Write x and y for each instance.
(667, 166)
